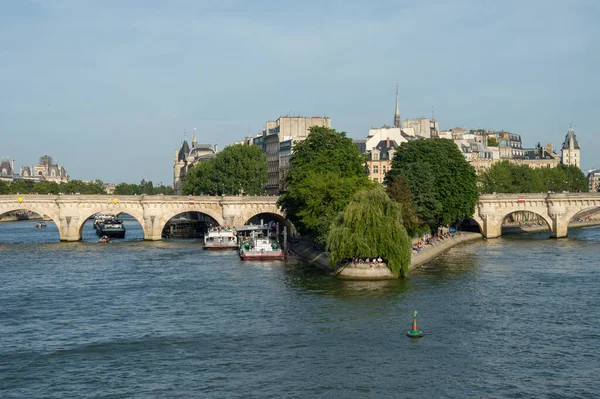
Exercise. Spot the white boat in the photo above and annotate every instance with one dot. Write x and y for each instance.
(220, 238)
(258, 245)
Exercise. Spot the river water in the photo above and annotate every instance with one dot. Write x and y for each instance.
(516, 317)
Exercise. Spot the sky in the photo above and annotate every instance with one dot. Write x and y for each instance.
(110, 88)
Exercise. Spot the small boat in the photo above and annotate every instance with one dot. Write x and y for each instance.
(258, 245)
(220, 238)
(40, 225)
(104, 240)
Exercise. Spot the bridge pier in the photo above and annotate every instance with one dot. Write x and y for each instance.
(560, 226)
(69, 228)
(491, 227)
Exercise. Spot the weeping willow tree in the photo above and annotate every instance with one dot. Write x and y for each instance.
(371, 226)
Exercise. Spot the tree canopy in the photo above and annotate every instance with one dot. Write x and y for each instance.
(326, 170)
(506, 177)
(399, 191)
(238, 169)
(371, 226)
(81, 187)
(4, 187)
(145, 187)
(443, 183)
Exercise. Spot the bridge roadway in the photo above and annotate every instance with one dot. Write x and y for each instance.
(70, 212)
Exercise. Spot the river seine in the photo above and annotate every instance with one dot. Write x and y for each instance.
(516, 317)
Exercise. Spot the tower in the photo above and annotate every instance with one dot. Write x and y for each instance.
(194, 140)
(180, 166)
(570, 153)
(397, 113)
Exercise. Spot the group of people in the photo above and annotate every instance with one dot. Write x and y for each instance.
(373, 261)
(430, 240)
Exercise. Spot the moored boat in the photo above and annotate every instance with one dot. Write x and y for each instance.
(220, 238)
(40, 225)
(111, 227)
(258, 245)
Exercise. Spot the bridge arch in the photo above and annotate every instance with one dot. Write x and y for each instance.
(111, 209)
(164, 218)
(574, 213)
(547, 222)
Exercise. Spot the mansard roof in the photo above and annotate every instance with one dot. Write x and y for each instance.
(6, 165)
(570, 137)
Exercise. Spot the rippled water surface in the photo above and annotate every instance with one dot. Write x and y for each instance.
(517, 317)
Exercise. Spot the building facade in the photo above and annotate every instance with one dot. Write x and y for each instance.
(594, 180)
(571, 153)
(288, 130)
(186, 157)
(380, 159)
(46, 170)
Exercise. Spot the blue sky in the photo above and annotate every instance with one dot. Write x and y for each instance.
(108, 87)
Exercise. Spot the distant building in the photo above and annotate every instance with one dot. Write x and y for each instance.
(541, 157)
(186, 158)
(380, 159)
(570, 154)
(509, 144)
(594, 180)
(46, 170)
(286, 129)
(109, 188)
(422, 127)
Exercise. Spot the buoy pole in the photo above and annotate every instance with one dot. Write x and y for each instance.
(414, 332)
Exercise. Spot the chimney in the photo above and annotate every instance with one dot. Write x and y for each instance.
(216, 148)
(387, 142)
(13, 166)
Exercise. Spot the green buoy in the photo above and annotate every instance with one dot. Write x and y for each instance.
(415, 332)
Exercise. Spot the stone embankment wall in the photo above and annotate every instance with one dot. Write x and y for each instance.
(306, 250)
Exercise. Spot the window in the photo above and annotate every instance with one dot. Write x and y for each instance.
(375, 156)
(375, 169)
(383, 169)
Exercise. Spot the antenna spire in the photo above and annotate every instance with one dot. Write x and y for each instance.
(397, 113)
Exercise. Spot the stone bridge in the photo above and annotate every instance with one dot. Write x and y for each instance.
(556, 209)
(70, 212)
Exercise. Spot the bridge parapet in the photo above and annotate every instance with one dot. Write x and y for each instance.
(557, 209)
(70, 212)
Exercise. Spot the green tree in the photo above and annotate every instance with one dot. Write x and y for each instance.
(22, 186)
(326, 170)
(146, 187)
(81, 187)
(371, 226)
(4, 187)
(505, 177)
(399, 191)
(443, 182)
(238, 169)
(575, 179)
(125, 189)
(46, 187)
(492, 142)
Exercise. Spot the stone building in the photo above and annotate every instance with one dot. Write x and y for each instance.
(423, 127)
(593, 178)
(46, 170)
(571, 153)
(186, 158)
(380, 159)
(286, 129)
(509, 144)
(541, 157)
